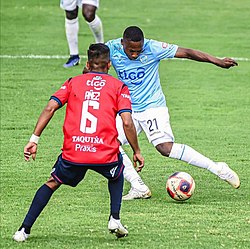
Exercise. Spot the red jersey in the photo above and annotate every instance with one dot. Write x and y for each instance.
(93, 101)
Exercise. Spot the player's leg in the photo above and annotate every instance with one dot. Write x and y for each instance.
(89, 8)
(138, 190)
(187, 154)
(71, 30)
(114, 174)
(62, 173)
(115, 190)
(39, 202)
(159, 132)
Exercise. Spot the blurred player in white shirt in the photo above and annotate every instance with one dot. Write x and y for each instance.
(88, 8)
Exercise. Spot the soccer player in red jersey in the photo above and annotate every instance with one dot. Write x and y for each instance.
(90, 137)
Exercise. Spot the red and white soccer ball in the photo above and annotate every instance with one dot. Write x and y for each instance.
(180, 186)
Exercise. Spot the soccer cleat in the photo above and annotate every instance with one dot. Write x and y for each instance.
(116, 227)
(137, 194)
(228, 175)
(73, 60)
(20, 236)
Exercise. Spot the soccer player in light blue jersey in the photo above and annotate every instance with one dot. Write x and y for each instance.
(136, 61)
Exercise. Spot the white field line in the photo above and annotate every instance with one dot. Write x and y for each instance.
(32, 56)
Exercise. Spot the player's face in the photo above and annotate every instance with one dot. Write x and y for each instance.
(132, 49)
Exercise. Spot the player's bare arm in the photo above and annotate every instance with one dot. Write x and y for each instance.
(31, 148)
(131, 135)
(204, 57)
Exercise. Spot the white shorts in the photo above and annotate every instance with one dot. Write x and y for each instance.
(72, 4)
(154, 122)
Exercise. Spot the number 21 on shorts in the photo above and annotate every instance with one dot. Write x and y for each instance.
(152, 125)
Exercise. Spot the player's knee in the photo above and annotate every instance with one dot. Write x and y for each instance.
(88, 12)
(164, 148)
(72, 14)
(53, 184)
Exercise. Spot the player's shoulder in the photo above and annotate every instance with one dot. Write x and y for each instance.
(116, 83)
(114, 44)
(160, 47)
(112, 78)
(151, 44)
(114, 41)
(97, 78)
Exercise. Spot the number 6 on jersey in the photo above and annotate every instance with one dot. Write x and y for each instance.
(86, 115)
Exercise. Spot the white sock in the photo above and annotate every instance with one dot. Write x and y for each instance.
(97, 30)
(187, 154)
(72, 28)
(131, 175)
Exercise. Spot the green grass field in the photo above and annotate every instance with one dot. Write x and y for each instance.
(209, 107)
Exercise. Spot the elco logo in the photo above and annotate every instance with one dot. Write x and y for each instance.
(97, 82)
(134, 75)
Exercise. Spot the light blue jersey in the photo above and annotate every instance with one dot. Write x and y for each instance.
(142, 75)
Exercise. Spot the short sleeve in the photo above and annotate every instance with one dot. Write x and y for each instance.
(62, 95)
(109, 44)
(163, 50)
(124, 100)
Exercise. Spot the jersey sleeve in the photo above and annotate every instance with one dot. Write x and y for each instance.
(61, 96)
(110, 45)
(114, 46)
(163, 50)
(124, 100)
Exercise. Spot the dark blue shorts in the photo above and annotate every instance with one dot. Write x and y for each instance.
(71, 174)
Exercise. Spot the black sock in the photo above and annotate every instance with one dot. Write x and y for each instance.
(115, 190)
(40, 200)
(115, 216)
(26, 229)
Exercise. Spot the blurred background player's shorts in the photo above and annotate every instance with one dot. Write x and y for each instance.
(72, 4)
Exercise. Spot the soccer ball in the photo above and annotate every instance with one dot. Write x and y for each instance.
(180, 186)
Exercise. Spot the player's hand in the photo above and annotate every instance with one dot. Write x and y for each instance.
(138, 161)
(30, 151)
(228, 62)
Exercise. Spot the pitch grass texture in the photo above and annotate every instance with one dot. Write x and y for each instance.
(209, 110)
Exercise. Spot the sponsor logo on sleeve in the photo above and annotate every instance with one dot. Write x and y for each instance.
(164, 45)
(126, 96)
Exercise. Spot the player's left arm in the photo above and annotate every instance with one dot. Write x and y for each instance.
(197, 55)
(130, 133)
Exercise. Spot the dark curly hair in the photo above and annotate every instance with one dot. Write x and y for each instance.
(133, 33)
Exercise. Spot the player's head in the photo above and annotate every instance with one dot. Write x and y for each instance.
(132, 42)
(98, 58)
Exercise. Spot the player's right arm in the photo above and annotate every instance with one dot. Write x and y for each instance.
(57, 100)
(30, 149)
(131, 136)
(204, 57)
